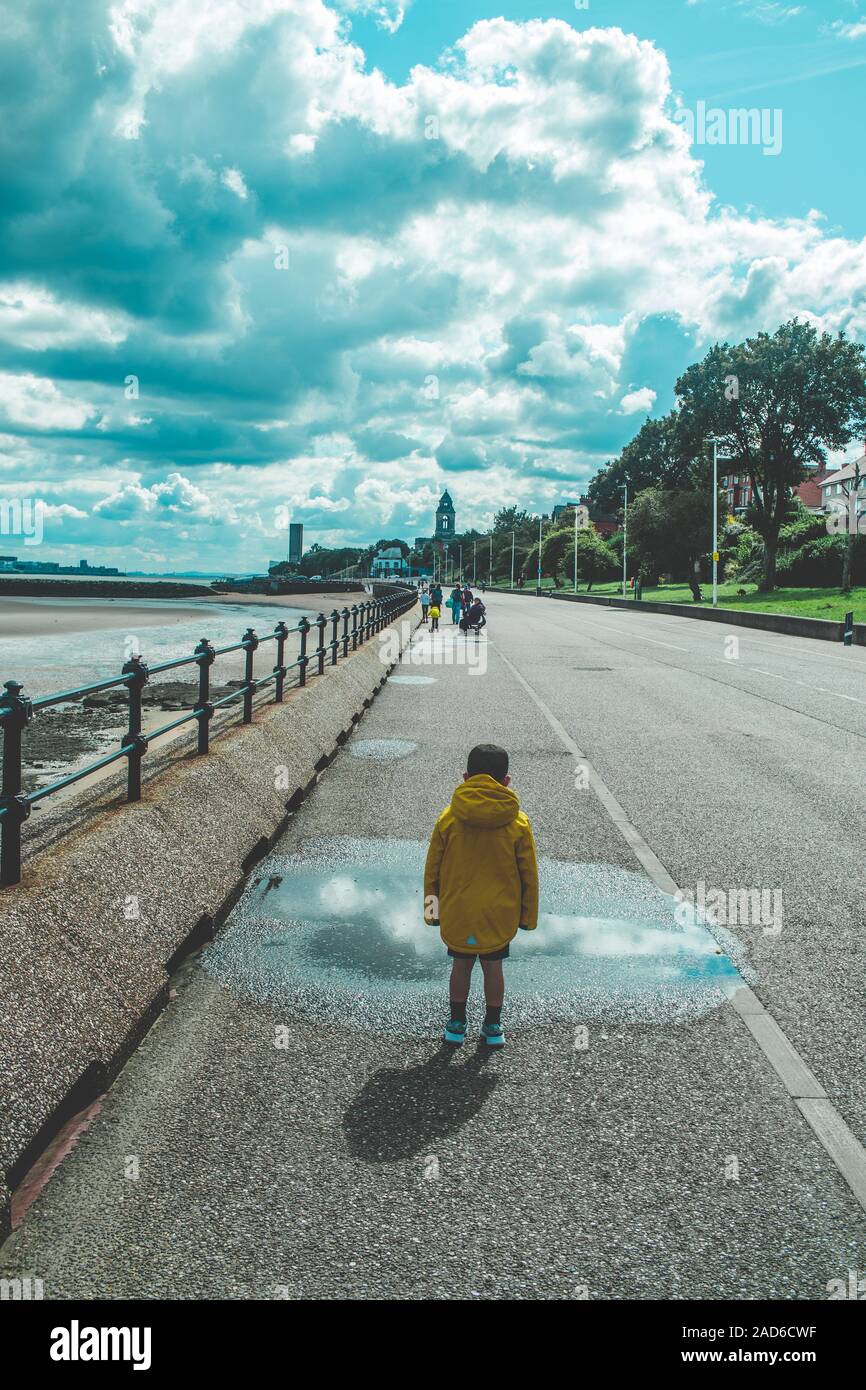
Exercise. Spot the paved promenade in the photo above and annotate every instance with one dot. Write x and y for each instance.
(286, 1131)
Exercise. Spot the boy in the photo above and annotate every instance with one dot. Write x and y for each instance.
(434, 617)
(481, 884)
(425, 604)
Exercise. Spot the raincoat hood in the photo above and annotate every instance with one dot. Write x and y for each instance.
(484, 802)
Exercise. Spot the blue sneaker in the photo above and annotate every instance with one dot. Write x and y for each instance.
(493, 1034)
(455, 1032)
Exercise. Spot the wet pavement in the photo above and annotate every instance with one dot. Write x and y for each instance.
(336, 934)
(299, 1128)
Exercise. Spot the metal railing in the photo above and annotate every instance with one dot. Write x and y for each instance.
(335, 636)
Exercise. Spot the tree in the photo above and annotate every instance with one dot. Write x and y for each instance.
(512, 519)
(595, 559)
(776, 403)
(555, 547)
(658, 456)
(671, 531)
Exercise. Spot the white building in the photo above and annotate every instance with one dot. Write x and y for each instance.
(836, 488)
(387, 562)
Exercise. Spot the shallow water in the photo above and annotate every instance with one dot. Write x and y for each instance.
(45, 665)
(336, 933)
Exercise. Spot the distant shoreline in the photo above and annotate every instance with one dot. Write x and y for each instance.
(53, 614)
(21, 586)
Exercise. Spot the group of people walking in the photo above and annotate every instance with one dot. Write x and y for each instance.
(467, 609)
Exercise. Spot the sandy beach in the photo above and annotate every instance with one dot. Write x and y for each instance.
(46, 617)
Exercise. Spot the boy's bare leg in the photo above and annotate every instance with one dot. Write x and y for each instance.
(494, 983)
(458, 988)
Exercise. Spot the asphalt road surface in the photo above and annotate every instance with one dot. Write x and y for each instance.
(664, 1151)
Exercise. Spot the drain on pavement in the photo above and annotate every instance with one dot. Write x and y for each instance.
(381, 749)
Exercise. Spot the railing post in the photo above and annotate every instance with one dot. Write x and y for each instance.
(335, 618)
(205, 657)
(134, 743)
(354, 627)
(282, 633)
(249, 641)
(345, 632)
(320, 650)
(16, 806)
(303, 628)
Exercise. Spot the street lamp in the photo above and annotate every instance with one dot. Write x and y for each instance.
(715, 443)
(575, 549)
(538, 580)
(624, 538)
(490, 572)
(512, 559)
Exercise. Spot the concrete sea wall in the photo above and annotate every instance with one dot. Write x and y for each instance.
(114, 894)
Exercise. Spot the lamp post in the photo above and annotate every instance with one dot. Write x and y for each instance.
(715, 443)
(490, 570)
(460, 571)
(474, 560)
(575, 550)
(512, 559)
(538, 580)
(624, 538)
(715, 523)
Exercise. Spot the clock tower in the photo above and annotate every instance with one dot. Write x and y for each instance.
(445, 520)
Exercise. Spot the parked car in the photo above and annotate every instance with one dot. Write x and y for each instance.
(316, 579)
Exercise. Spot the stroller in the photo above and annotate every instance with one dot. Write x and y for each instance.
(474, 619)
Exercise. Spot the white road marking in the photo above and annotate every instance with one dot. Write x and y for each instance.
(843, 1147)
(837, 694)
(655, 641)
(668, 623)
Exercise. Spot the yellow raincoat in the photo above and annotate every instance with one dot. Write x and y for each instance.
(481, 875)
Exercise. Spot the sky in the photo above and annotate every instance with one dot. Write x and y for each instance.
(272, 260)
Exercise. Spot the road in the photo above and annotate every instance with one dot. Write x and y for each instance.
(314, 1144)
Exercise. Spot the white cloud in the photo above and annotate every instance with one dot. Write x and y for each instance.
(32, 318)
(638, 402)
(854, 29)
(36, 403)
(477, 257)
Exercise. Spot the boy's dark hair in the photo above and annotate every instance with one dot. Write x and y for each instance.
(489, 758)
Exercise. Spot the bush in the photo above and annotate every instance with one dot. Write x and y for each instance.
(818, 563)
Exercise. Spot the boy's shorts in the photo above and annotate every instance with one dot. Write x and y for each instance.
(487, 955)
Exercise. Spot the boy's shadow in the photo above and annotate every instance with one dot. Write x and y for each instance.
(398, 1113)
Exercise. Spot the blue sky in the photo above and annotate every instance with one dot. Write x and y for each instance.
(271, 258)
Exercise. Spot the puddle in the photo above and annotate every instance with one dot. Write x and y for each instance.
(381, 749)
(412, 680)
(335, 933)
